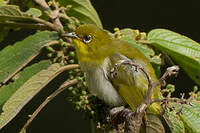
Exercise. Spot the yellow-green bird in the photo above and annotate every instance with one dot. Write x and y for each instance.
(98, 52)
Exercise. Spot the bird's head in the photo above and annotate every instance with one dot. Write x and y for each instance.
(92, 43)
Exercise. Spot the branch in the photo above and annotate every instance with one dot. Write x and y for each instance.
(54, 14)
(47, 100)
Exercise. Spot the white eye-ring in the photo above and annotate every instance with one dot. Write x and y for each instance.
(87, 39)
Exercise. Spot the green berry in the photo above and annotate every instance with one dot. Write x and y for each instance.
(170, 87)
(49, 55)
(195, 88)
(86, 101)
(50, 49)
(61, 41)
(76, 70)
(78, 103)
(81, 97)
(71, 77)
(92, 112)
(84, 84)
(70, 72)
(72, 54)
(73, 92)
(77, 108)
(65, 44)
(70, 88)
(84, 92)
(71, 61)
(79, 78)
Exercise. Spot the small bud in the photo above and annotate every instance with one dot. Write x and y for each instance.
(80, 97)
(170, 87)
(70, 72)
(71, 61)
(72, 54)
(84, 84)
(84, 92)
(65, 44)
(92, 112)
(116, 29)
(77, 108)
(76, 70)
(86, 101)
(70, 88)
(143, 36)
(71, 77)
(79, 78)
(74, 92)
(78, 103)
(195, 88)
(49, 55)
(61, 41)
(50, 49)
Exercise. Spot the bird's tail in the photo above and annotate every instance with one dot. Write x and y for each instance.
(153, 122)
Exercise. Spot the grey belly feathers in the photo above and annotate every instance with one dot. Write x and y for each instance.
(100, 86)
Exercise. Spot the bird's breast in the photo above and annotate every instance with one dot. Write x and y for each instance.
(99, 84)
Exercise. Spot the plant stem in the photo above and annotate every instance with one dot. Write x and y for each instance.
(47, 100)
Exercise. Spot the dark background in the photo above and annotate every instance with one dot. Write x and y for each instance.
(177, 15)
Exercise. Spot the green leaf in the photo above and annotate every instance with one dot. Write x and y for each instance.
(183, 50)
(14, 58)
(191, 117)
(128, 35)
(7, 90)
(83, 11)
(27, 91)
(12, 13)
(174, 122)
(34, 12)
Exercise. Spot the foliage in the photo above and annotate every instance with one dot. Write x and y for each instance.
(27, 66)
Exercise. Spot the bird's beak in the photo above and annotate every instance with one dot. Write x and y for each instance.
(70, 35)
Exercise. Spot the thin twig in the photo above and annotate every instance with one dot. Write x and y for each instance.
(43, 4)
(50, 25)
(47, 100)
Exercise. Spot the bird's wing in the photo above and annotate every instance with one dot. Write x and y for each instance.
(131, 84)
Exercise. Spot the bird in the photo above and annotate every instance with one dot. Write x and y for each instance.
(98, 52)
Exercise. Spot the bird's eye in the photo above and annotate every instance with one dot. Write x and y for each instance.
(87, 39)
